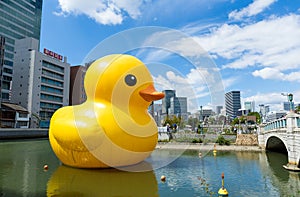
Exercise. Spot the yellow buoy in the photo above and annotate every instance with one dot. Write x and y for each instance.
(163, 178)
(222, 191)
(215, 151)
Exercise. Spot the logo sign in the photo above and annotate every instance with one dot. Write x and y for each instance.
(53, 54)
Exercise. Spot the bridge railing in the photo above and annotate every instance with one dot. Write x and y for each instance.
(280, 124)
(274, 125)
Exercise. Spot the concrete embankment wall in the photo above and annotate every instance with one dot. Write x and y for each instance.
(23, 133)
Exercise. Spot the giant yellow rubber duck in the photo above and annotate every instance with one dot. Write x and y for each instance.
(113, 127)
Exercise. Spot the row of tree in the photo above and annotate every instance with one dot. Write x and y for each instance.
(175, 121)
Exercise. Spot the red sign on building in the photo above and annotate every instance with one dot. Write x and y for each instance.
(52, 54)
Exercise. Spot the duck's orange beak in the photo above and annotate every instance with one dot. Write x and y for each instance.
(150, 94)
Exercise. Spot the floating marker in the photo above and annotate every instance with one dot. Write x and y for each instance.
(222, 191)
(45, 167)
(215, 151)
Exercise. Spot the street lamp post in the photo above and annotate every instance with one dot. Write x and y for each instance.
(201, 120)
(290, 100)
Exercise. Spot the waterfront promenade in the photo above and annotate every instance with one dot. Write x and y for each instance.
(208, 147)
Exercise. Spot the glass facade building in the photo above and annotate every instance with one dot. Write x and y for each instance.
(178, 106)
(18, 19)
(166, 100)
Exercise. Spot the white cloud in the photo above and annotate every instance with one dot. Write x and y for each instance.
(273, 73)
(272, 43)
(268, 73)
(229, 82)
(251, 10)
(184, 86)
(274, 99)
(106, 12)
(270, 46)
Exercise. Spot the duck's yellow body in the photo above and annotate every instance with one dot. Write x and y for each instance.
(113, 127)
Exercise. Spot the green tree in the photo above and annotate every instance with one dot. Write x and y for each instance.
(239, 120)
(257, 115)
(297, 110)
(172, 120)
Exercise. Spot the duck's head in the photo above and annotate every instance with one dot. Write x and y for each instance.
(124, 81)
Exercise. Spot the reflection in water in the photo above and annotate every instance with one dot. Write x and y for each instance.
(21, 167)
(276, 161)
(287, 182)
(67, 181)
(246, 174)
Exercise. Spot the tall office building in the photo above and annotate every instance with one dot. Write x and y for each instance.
(178, 106)
(18, 19)
(166, 101)
(232, 103)
(41, 81)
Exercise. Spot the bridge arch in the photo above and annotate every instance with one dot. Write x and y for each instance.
(274, 143)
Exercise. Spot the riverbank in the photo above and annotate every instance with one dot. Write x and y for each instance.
(207, 147)
(43, 133)
(23, 133)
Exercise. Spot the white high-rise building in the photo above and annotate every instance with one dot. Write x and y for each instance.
(40, 81)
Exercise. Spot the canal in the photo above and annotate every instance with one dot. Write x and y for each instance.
(246, 174)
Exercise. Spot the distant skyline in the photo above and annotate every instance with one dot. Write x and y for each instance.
(255, 45)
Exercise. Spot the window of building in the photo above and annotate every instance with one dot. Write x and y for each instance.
(53, 66)
(52, 74)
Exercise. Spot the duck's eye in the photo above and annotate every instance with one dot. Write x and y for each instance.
(130, 80)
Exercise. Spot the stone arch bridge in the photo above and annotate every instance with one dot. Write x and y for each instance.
(283, 135)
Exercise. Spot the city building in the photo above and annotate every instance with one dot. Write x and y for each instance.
(206, 113)
(249, 106)
(2, 43)
(232, 103)
(219, 109)
(263, 111)
(166, 100)
(178, 106)
(273, 115)
(77, 92)
(41, 81)
(18, 19)
(157, 111)
(14, 116)
(286, 106)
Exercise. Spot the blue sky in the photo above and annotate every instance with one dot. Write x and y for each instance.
(253, 45)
